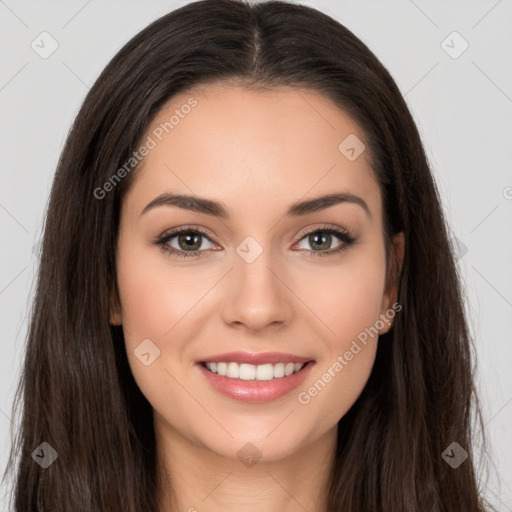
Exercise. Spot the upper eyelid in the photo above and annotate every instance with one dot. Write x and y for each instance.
(326, 227)
(171, 233)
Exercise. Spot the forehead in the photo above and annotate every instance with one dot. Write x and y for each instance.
(232, 143)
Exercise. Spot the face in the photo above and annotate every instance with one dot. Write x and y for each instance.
(278, 296)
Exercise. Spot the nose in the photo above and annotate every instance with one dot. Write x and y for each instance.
(257, 297)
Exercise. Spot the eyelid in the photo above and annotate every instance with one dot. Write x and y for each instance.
(187, 227)
(323, 227)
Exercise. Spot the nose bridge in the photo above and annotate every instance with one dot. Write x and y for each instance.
(256, 296)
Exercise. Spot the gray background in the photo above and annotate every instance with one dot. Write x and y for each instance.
(462, 105)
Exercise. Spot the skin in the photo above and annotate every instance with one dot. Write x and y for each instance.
(257, 153)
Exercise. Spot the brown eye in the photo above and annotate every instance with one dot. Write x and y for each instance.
(320, 241)
(184, 242)
(190, 241)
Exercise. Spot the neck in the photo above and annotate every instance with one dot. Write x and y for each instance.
(192, 478)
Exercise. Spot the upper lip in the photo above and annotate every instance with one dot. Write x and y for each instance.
(256, 359)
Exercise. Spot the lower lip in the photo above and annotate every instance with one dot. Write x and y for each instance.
(256, 390)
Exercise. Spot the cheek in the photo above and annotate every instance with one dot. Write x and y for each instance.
(345, 297)
(157, 303)
(348, 301)
(156, 296)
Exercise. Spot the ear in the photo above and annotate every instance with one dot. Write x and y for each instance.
(395, 261)
(115, 316)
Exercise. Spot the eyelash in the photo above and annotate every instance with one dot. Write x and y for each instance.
(345, 236)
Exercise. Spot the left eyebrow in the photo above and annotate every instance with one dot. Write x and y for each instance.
(323, 202)
(217, 209)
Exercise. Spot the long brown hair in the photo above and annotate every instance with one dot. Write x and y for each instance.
(78, 393)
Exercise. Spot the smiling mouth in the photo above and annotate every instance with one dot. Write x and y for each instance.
(261, 372)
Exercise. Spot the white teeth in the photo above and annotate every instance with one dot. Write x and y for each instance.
(278, 370)
(246, 371)
(222, 368)
(233, 371)
(264, 372)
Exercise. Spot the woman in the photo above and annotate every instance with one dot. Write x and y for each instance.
(246, 297)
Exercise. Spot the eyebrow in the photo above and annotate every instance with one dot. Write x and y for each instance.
(209, 207)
